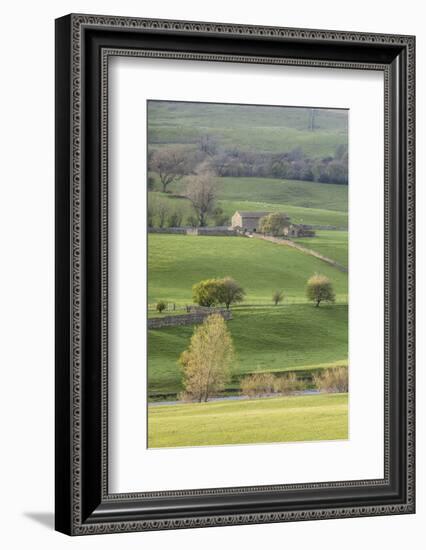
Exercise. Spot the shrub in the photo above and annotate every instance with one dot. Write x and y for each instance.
(288, 383)
(335, 380)
(254, 385)
(161, 306)
(277, 296)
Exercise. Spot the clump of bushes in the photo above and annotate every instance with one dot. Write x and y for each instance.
(265, 383)
(288, 384)
(335, 380)
(258, 384)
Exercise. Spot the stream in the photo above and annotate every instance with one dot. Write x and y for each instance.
(233, 398)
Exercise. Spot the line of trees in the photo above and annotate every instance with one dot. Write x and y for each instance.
(172, 162)
(161, 212)
(294, 165)
(227, 291)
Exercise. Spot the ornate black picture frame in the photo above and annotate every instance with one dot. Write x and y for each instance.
(84, 44)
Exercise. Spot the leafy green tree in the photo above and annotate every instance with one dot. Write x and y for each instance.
(206, 293)
(229, 291)
(206, 364)
(319, 289)
(211, 292)
(274, 223)
(161, 306)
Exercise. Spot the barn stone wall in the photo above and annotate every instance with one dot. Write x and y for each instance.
(212, 231)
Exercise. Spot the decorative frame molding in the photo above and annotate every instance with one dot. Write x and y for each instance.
(84, 43)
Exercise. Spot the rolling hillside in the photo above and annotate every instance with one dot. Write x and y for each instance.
(264, 128)
(176, 262)
(292, 336)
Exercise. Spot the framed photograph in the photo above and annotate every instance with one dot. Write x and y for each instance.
(234, 274)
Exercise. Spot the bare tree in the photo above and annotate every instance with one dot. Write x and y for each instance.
(220, 163)
(158, 210)
(208, 144)
(201, 193)
(170, 163)
(162, 213)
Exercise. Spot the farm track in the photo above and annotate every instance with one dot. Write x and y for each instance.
(304, 249)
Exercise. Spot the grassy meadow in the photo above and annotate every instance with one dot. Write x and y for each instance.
(333, 244)
(251, 127)
(292, 337)
(295, 418)
(303, 194)
(268, 339)
(298, 214)
(176, 262)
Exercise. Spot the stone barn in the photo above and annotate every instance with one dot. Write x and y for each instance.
(247, 221)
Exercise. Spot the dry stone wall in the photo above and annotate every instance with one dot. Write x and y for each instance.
(188, 318)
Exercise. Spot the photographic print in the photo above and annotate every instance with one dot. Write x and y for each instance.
(247, 216)
(202, 268)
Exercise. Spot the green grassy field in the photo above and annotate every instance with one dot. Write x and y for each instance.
(270, 339)
(333, 244)
(176, 262)
(304, 201)
(298, 214)
(294, 335)
(305, 194)
(298, 418)
(271, 129)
